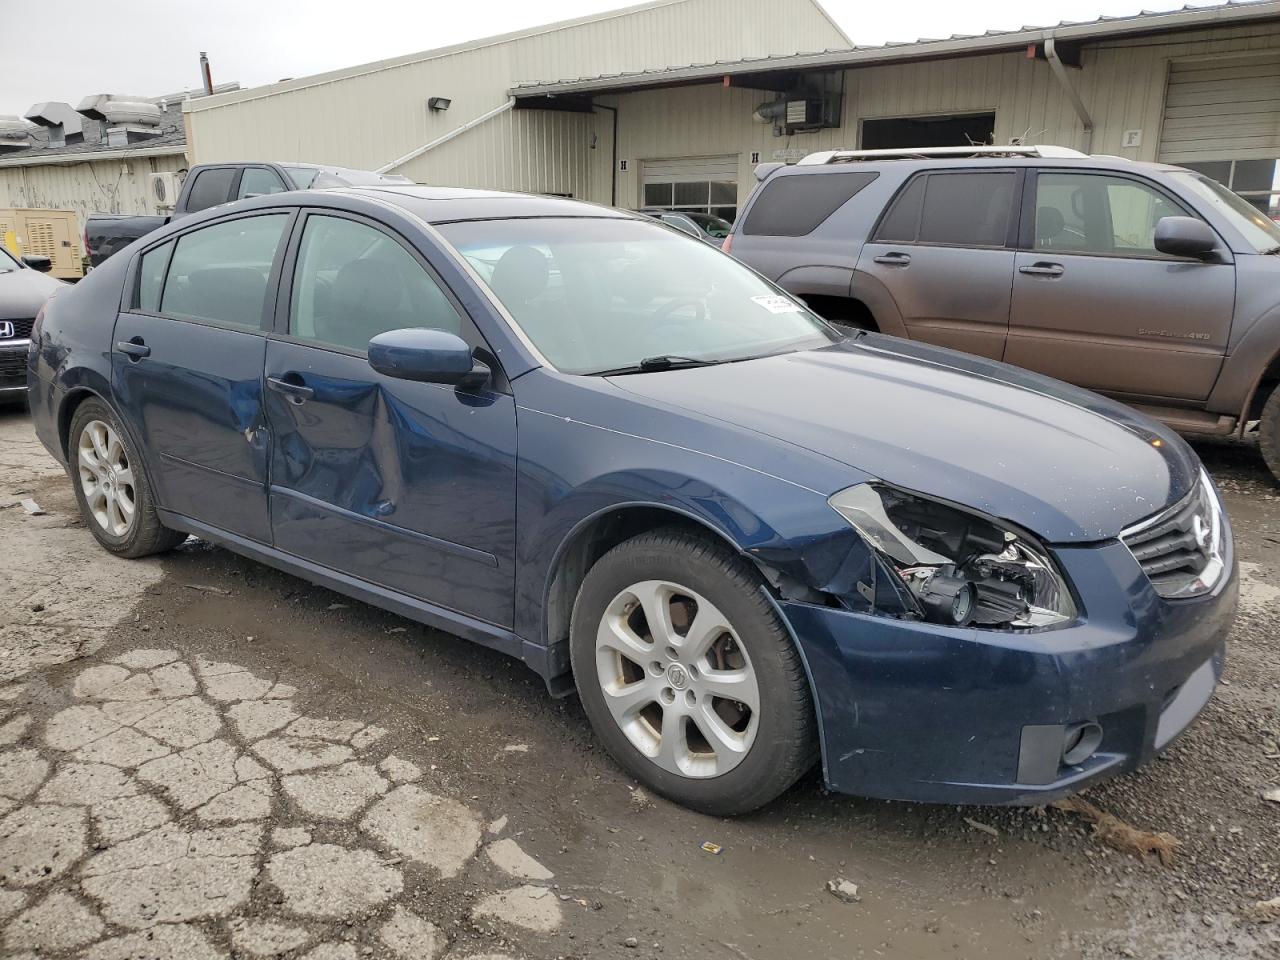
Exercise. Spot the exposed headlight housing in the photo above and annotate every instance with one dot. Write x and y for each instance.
(962, 568)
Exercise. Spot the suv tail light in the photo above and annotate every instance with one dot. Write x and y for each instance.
(727, 246)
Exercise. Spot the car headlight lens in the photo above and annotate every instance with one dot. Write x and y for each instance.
(962, 568)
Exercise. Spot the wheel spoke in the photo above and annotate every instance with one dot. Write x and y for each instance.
(614, 634)
(125, 476)
(709, 624)
(95, 495)
(626, 700)
(673, 750)
(87, 459)
(737, 685)
(655, 598)
(97, 434)
(115, 451)
(126, 506)
(728, 744)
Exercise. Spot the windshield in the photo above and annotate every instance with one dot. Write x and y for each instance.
(301, 176)
(714, 226)
(1261, 231)
(596, 295)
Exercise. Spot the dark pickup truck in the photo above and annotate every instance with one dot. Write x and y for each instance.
(209, 184)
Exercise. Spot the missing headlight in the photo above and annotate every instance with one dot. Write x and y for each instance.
(961, 567)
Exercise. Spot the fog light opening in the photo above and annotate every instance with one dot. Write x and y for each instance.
(1080, 742)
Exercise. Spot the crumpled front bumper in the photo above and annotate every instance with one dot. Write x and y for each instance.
(916, 711)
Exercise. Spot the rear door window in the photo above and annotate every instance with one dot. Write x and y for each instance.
(210, 188)
(220, 273)
(967, 209)
(792, 206)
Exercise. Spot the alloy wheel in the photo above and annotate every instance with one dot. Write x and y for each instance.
(677, 679)
(106, 478)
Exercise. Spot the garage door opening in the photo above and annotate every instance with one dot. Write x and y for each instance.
(953, 130)
(693, 185)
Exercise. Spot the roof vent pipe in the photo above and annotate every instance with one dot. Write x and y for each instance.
(1064, 79)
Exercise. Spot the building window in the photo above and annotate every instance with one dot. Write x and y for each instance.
(716, 197)
(950, 130)
(1258, 181)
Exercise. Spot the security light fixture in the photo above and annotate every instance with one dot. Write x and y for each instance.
(438, 103)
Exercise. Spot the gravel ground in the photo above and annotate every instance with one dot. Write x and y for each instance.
(201, 757)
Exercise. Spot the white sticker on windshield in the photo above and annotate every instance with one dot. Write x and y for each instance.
(776, 304)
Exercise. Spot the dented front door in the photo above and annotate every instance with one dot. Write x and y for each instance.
(406, 485)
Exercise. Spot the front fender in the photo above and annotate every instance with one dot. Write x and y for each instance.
(1243, 369)
(572, 473)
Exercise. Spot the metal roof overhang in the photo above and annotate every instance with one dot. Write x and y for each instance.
(767, 72)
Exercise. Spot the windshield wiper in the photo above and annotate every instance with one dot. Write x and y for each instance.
(1271, 250)
(654, 364)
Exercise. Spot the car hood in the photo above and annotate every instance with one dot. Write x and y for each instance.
(23, 292)
(1064, 463)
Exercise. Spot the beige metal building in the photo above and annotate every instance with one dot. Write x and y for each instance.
(388, 116)
(536, 110)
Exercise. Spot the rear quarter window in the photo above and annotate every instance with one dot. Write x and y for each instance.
(792, 206)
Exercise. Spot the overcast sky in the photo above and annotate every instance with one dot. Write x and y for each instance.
(72, 48)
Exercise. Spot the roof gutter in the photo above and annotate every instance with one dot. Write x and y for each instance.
(1064, 80)
(35, 160)
(455, 132)
(995, 42)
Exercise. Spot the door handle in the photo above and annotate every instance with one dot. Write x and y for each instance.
(1043, 270)
(292, 387)
(894, 259)
(134, 348)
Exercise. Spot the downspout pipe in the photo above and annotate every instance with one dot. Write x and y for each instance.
(1064, 79)
(455, 132)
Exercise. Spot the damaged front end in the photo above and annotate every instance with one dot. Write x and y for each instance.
(952, 566)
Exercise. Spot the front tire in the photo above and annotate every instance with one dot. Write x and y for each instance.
(688, 676)
(111, 486)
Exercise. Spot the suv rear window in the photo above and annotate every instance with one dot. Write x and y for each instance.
(965, 208)
(791, 206)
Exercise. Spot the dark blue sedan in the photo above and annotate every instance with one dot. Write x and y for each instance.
(587, 440)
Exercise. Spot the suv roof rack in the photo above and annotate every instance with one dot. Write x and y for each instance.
(920, 153)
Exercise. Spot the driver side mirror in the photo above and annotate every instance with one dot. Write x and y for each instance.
(428, 356)
(1185, 237)
(35, 262)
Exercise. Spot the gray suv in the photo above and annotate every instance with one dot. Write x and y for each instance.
(1146, 282)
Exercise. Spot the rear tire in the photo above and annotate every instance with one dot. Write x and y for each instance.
(111, 485)
(655, 697)
(1269, 433)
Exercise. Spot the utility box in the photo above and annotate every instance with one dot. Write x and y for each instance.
(46, 233)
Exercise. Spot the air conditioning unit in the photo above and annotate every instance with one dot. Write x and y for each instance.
(164, 189)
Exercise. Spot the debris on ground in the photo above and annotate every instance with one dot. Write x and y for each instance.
(712, 848)
(1264, 911)
(516, 748)
(336, 606)
(33, 509)
(842, 889)
(1273, 795)
(984, 827)
(640, 799)
(206, 588)
(1119, 835)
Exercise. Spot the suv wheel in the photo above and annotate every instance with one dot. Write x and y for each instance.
(1269, 433)
(687, 675)
(111, 486)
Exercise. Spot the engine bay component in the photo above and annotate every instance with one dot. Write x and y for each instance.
(962, 568)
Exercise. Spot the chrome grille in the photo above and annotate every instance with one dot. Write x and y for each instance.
(21, 328)
(1180, 549)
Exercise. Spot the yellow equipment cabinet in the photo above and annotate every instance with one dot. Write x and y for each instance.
(46, 233)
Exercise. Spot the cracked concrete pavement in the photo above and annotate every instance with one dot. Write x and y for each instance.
(203, 758)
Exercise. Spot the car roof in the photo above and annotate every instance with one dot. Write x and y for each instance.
(447, 204)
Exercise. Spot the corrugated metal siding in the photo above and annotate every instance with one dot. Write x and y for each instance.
(367, 119)
(1222, 109)
(1122, 83)
(105, 186)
